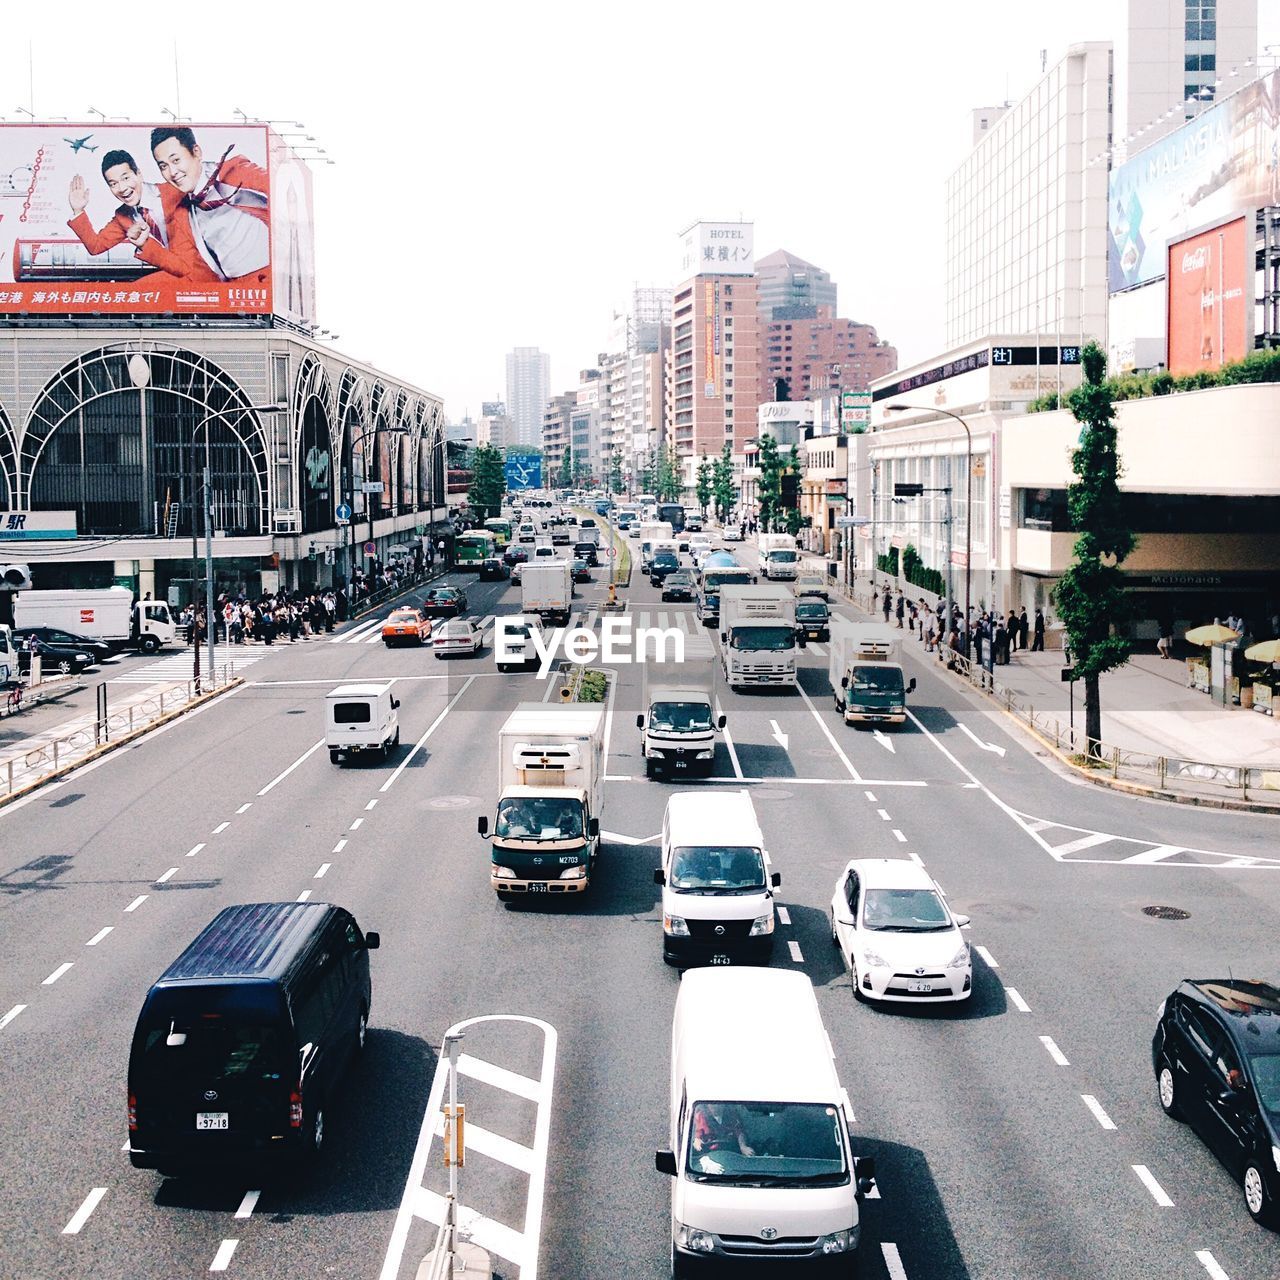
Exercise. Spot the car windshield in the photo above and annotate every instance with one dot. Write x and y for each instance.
(783, 557)
(716, 869)
(680, 717)
(766, 1144)
(904, 911)
(681, 578)
(456, 630)
(763, 638)
(877, 680)
(818, 610)
(1265, 1068)
(541, 818)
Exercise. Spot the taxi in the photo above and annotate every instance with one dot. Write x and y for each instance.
(406, 626)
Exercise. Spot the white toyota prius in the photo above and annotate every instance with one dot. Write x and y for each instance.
(897, 934)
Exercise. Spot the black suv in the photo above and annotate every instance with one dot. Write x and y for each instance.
(1216, 1054)
(99, 650)
(587, 551)
(662, 564)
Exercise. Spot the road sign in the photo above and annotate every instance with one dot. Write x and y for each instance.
(851, 522)
(911, 490)
(371, 549)
(613, 551)
(343, 512)
(1067, 674)
(371, 486)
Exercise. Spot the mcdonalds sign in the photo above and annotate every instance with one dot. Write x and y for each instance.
(1208, 315)
(167, 219)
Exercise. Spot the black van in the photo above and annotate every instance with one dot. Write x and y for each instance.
(243, 1038)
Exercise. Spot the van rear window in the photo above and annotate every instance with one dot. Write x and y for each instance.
(352, 713)
(214, 1033)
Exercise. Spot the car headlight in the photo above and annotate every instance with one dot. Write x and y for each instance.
(82, 657)
(1275, 1158)
(675, 926)
(874, 960)
(761, 925)
(504, 873)
(695, 1239)
(961, 957)
(574, 873)
(836, 1242)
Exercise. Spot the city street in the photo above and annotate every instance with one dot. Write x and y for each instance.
(1017, 1135)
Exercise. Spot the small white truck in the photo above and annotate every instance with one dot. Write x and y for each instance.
(546, 589)
(678, 725)
(546, 831)
(778, 556)
(107, 614)
(866, 675)
(758, 640)
(360, 719)
(651, 532)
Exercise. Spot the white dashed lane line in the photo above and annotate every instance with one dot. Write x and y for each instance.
(81, 1215)
(1211, 1264)
(137, 902)
(248, 1204)
(371, 804)
(1098, 1114)
(222, 1259)
(56, 974)
(324, 867)
(871, 795)
(9, 1017)
(987, 958)
(220, 828)
(280, 777)
(168, 875)
(796, 955)
(898, 836)
(1016, 1000)
(884, 815)
(1158, 1193)
(338, 848)
(893, 1262)
(1054, 1052)
(357, 824)
(98, 937)
(304, 895)
(191, 853)
(244, 808)
(784, 915)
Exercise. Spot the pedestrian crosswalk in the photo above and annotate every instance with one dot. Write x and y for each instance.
(177, 667)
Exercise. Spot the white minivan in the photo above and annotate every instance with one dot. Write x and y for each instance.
(360, 719)
(717, 881)
(760, 1158)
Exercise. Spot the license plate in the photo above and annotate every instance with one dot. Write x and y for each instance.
(212, 1119)
(680, 764)
(537, 886)
(920, 986)
(720, 960)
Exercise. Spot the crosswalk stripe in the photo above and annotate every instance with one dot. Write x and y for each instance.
(818, 649)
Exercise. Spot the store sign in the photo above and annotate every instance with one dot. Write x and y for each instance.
(37, 526)
(855, 410)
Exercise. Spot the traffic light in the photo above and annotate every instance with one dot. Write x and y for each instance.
(907, 490)
(790, 490)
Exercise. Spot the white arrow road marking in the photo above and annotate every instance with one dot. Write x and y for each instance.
(885, 743)
(615, 837)
(778, 736)
(986, 746)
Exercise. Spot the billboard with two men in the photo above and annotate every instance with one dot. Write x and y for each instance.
(176, 218)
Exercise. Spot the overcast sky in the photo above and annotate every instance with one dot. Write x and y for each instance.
(507, 172)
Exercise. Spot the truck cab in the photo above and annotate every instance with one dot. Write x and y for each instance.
(679, 722)
(778, 556)
(757, 635)
(8, 655)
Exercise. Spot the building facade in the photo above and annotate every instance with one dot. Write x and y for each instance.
(820, 353)
(785, 282)
(528, 391)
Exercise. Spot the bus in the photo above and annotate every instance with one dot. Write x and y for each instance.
(671, 513)
(473, 548)
(501, 527)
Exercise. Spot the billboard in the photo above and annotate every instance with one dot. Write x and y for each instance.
(1206, 299)
(124, 219)
(523, 471)
(1225, 161)
(717, 248)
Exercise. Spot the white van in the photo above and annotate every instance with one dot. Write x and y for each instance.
(717, 881)
(760, 1154)
(361, 718)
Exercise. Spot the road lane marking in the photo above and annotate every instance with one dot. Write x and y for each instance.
(81, 1215)
(137, 902)
(220, 828)
(733, 753)
(191, 853)
(324, 866)
(794, 948)
(987, 957)
(280, 777)
(893, 1261)
(1098, 1114)
(1085, 842)
(611, 682)
(871, 795)
(248, 1204)
(222, 1259)
(499, 1077)
(782, 739)
(915, 857)
(244, 808)
(357, 824)
(168, 875)
(986, 746)
(422, 741)
(884, 815)
(56, 974)
(898, 836)
(884, 742)
(830, 737)
(1211, 1265)
(493, 1145)
(1158, 1193)
(370, 805)
(1018, 1002)
(9, 1017)
(784, 915)
(338, 848)
(1054, 1052)
(98, 937)
(304, 896)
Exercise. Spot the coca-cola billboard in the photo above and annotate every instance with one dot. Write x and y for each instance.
(1208, 304)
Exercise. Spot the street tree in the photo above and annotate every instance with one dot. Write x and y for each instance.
(488, 482)
(770, 489)
(1091, 596)
(703, 489)
(669, 487)
(564, 477)
(722, 483)
(616, 482)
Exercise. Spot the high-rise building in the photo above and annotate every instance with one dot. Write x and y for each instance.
(785, 282)
(632, 402)
(821, 353)
(495, 427)
(528, 390)
(555, 435)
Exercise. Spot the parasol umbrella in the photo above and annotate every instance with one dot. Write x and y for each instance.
(1214, 633)
(1267, 651)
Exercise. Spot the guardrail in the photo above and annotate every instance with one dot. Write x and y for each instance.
(42, 756)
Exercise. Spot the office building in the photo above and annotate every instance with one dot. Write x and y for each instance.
(528, 390)
(820, 353)
(786, 283)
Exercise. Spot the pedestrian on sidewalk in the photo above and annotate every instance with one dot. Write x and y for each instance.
(1011, 625)
(1001, 643)
(886, 605)
(1024, 628)
(900, 609)
(1037, 641)
(1164, 644)
(930, 632)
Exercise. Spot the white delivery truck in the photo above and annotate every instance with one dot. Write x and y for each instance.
(546, 832)
(760, 1155)
(866, 674)
(652, 531)
(778, 556)
(758, 641)
(360, 719)
(546, 589)
(8, 655)
(678, 724)
(106, 614)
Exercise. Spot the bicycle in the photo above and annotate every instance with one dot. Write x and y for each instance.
(13, 699)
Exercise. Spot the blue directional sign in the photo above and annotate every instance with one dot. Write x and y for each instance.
(343, 511)
(524, 471)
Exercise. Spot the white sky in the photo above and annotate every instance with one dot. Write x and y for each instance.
(507, 172)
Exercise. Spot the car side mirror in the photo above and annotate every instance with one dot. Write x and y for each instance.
(724, 720)
(659, 876)
(865, 1167)
(776, 879)
(593, 827)
(911, 685)
(372, 941)
(844, 682)
(395, 704)
(482, 825)
(665, 1162)
(961, 921)
(865, 1185)
(640, 722)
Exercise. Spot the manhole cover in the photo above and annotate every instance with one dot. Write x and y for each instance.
(451, 802)
(1166, 913)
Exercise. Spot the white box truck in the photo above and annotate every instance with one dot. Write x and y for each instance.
(546, 589)
(652, 531)
(104, 614)
(546, 831)
(866, 674)
(758, 641)
(778, 556)
(679, 722)
(360, 719)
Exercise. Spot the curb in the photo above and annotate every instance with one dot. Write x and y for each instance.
(107, 747)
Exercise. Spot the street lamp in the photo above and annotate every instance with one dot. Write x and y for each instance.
(968, 499)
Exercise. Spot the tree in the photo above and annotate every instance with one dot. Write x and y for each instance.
(488, 482)
(704, 485)
(1090, 595)
(564, 477)
(616, 482)
(722, 483)
(669, 486)
(770, 489)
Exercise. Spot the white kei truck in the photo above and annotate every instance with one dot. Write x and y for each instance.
(866, 674)
(360, 719)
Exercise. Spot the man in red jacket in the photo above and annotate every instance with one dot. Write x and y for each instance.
(141, 204)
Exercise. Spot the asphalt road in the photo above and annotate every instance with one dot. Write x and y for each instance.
(991, 1162)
